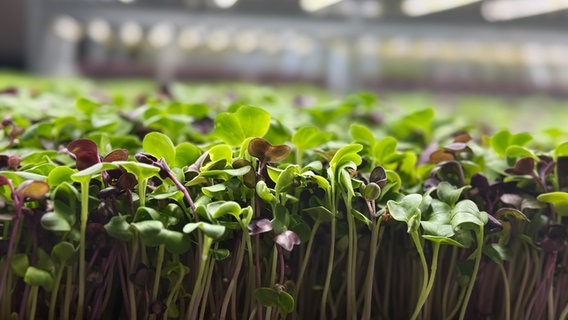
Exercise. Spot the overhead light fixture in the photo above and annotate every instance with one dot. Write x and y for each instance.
(68, 28)
(218, 40)
(225, 4)
(303, 45)
(161, 35)
(131, 33)
(99, 30)
(316, 5)
(367, 45)
(247, 41)
(190, 38)
(270, 42)
(370, 9)
(501, 10)
(416, 8)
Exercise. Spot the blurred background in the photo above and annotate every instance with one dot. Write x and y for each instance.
(506, 47)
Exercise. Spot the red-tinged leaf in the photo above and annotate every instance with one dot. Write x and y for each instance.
(277, 153)
(441, 156)
(506, 214)
(456, 147)
(259, 226)
(116, 155)
(32, 189)
(146, 158)
(513, 199)
(258, 147)
(462, 137)
(7, 121)
(85, 152)
(263, 150)
(287, 240)
(522, 167)
(127, 181)
(4, 181)
(479, 181)
(545, 166)
(9, 161)
(14, 162)
(378, 176)
(493, 224)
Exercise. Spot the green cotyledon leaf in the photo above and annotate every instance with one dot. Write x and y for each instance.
(558, 199)
(407, 210)
(160, 146)
(466, 213)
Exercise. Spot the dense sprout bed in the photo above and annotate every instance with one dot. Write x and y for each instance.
(186, 202)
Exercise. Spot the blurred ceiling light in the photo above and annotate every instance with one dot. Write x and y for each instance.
(67, 28)
(449, 51)
(556, 54)
(533, 54)
(127, 1)
(303, 45)
(270, 43)
(500, 10)
(189, 38)
(225, 4)
(370, 9)
(246, 41)
(218, 40)
(131, 33)
(161, 35)
(415, 8)
(420, 50)
(316, 5)
(99, 30)
(367, 45)
(472, 51)
(503, 53)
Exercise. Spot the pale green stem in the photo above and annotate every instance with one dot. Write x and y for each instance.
(445, 295)
(197, 289)
(68, 294)
(507, 291)
(351, 261)
(159, 262)
(478, 254)
(522, 290)
(388, 272)
(82, 244)
(274, 259)
(369, 280)
(457, 307)
(415, 238)
(299, 153)
(173, 292)
(325, 292)
(53, 297)
(33, 303)
(550, 301)
(251, 277)
(564, 313)
(306, 258)
(142, 192)
(232, 285)
(131, 271)
(210, 268)
(433, 268)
